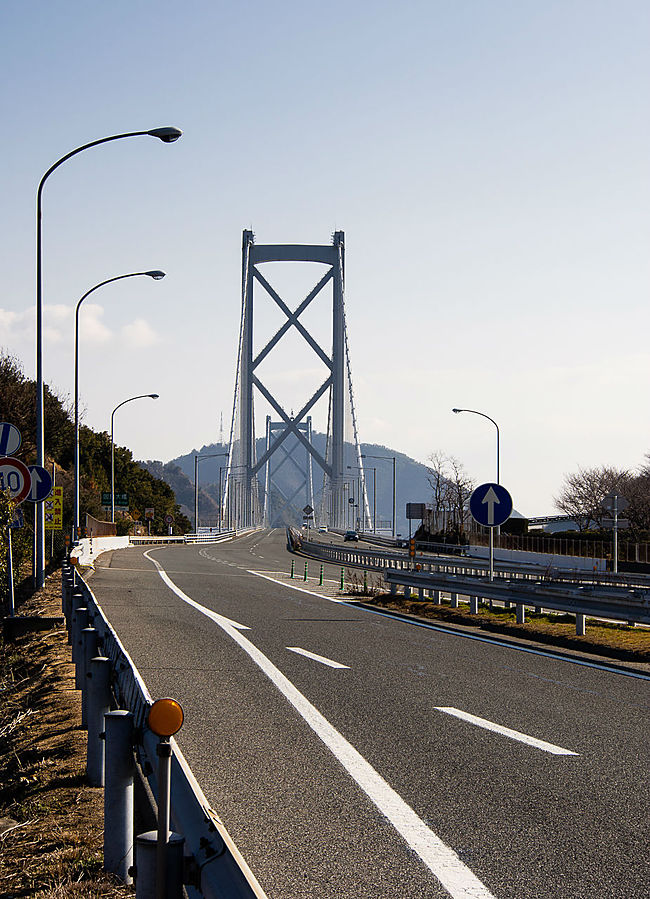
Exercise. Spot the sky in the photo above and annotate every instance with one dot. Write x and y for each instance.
(488, 162)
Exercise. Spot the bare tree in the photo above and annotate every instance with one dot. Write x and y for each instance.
(451, 487)
(462, 486)
(583, 492)
(439, 483)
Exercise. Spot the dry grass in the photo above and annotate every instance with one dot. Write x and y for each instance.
(613, 641)
(51, 820)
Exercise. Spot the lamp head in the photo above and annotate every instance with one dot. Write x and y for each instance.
(154, 396)
(456, 410)
(156, 275)
(166, 135)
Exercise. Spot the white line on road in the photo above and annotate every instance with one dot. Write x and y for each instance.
(218, 619)
(505, 731)
(316, 658)
(442, 861)
(300, 589)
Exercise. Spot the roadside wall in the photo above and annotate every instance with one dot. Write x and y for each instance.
(543, 559)
(91, 547)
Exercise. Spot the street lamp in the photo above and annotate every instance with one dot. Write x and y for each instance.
(483, 415)
(156, 275)
(367, 456)
(166, 135)
(151, 396)
(197, 458)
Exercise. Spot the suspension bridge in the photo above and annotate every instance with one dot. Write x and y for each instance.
(329, 479)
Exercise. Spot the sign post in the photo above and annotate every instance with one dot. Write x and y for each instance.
(491, 506)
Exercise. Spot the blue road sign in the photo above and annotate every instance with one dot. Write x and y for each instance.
(10, 439)
(490, 505)
(41, 484)
(18, 520)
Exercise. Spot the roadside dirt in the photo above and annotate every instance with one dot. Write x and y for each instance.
(50, 819)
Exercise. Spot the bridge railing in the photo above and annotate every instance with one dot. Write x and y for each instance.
(617, 597)
(217, 869)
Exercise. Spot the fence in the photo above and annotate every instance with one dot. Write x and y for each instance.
(569, 546)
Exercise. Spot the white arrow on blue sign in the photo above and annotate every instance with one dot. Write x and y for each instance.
(10, 439)
(490, 505)
(41, 484)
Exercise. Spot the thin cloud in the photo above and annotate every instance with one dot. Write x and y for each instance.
(139, 334)
(91, 327)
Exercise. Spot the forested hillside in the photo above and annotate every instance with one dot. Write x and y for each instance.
(17, 406)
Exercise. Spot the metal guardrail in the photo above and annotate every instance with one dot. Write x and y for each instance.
(380, 561)
(217, 870)
(612, 603)
(188, 538)
(601, 594)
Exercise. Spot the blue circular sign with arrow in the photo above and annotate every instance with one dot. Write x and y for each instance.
(490, 505)
(41, 484)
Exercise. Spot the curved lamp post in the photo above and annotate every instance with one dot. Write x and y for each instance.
(483, 415)
(156, 275)
(167, 136)
(142, 396)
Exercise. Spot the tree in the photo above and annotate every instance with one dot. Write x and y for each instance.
(452, 488)
(582, 494)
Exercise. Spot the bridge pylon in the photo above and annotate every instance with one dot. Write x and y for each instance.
(248, 470)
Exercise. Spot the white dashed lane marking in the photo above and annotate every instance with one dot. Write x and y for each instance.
(316, 658)
(505, 731)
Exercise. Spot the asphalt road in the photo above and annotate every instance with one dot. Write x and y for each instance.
(367, 780)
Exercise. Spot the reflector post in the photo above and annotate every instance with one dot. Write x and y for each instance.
(165, 717)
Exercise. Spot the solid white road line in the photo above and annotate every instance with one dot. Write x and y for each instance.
(442, 861)
(505, 731)
(299, 589)
(218, 619)
(316, 658)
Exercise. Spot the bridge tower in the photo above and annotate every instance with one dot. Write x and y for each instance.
(248, 478)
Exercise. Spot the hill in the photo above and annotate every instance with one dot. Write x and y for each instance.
(411, 477)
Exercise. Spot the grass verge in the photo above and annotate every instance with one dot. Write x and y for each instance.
(50, 819)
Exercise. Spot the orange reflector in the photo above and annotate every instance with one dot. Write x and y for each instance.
(165, 717)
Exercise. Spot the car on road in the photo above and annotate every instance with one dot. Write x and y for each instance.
(322, 529)
(351, 535)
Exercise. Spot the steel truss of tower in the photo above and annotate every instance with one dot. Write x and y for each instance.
(272, 489)
(244, 467)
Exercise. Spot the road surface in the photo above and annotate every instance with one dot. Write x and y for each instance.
(351, 754)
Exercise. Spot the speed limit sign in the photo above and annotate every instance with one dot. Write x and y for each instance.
(15, 477)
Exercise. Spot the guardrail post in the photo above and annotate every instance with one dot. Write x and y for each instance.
(89, 647)
(453, 598)
(435, 596)
(473, 605)
(421, 594)
(145, 866)
(521, 614)
(75, 600)
(79, 622)
(99, 703)
(581, 625)
(66, 598)
(393, 588)
(118, 794)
